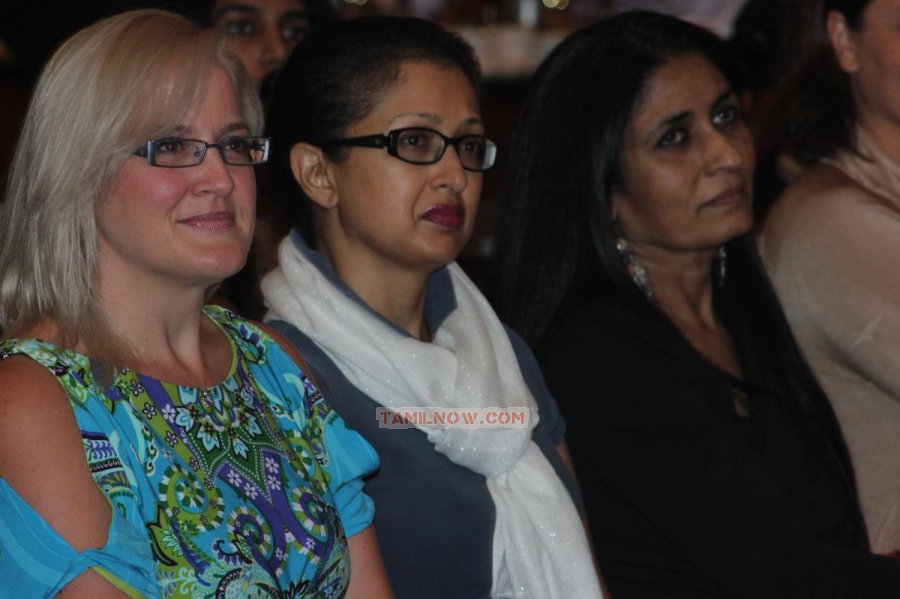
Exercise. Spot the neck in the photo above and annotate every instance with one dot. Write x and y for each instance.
(162, 322)
(683, 290)
(682, 286)
(396, 293)
(884, 132)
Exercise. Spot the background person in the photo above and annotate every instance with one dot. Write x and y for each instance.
(382, 153)
(149, 445)
(710, 460)
(263, 32)
(831, 240)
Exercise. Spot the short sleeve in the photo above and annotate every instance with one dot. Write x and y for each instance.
(35, 561)
(351, 458)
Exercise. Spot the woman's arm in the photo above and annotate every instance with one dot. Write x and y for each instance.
(42, 458)
(368, 579)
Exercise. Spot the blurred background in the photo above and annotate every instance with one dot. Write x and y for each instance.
(510, 36)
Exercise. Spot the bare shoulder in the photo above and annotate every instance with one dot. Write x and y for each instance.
(42, 457)
(27, 391)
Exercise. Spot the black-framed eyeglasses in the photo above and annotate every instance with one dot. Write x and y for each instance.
(177, 152)
(421, 145)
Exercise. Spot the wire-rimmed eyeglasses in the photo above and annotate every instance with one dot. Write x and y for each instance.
(177, 152)
(421, 145)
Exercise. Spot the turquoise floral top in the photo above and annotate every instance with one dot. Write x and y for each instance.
(245, 489)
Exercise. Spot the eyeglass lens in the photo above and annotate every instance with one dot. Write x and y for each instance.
(188, 152)
(425, 146)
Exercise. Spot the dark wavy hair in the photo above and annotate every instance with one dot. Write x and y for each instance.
(814, 113)
(556, 240)
(334, 78)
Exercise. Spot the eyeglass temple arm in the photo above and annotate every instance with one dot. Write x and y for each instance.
(368, 141)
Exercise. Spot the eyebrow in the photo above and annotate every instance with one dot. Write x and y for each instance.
(245, 9)
(238, 8)
(435, 119)
(294, 14)
(229, 128)
(683, 116)
(727, 95)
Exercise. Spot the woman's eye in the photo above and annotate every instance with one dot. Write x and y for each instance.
(235, 144)
(672, 138)
(413, 140)
(240, 28)
(727, 115)
(473, 145)
(170, 146)
(294, 33)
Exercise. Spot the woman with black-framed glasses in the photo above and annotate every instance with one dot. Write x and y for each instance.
(151, 445)
(379, 149)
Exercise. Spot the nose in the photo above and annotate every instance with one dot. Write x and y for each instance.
(728, 149)
(214, 176)
(274, 49)
(451, 173)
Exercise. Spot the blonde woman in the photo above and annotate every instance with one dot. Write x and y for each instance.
(151, 446)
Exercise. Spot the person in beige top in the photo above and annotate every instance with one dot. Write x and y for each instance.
(832, 241)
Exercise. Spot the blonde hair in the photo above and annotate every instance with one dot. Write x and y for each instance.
(106, 91)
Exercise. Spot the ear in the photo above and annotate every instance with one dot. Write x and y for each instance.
(615, 200)
(312, 172)
(843, 41)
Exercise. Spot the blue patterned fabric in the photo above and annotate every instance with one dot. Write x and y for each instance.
(244, 489)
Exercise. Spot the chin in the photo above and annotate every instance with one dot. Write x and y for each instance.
(218, 268)
(736, 227)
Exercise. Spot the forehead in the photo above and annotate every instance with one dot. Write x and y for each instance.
(683, 84)
(215, 104)
(426, 87)
(268, 7)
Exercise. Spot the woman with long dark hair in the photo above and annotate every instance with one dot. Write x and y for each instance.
(710, 460)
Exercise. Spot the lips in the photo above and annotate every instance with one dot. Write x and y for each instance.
(450, 216)
(211, 221)
(730, 196)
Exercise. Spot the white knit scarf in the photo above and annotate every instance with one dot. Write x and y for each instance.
(540, 550)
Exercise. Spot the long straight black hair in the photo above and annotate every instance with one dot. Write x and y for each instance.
(556, 239)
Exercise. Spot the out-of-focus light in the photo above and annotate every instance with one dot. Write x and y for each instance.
(556, 4)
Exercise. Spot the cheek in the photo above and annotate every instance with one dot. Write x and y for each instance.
(245, 186)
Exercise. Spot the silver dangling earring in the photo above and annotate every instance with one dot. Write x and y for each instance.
(636, 269)
(720, 262)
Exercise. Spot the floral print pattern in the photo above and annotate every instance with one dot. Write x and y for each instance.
(234, 481)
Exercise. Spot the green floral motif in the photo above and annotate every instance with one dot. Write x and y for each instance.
(231, 483)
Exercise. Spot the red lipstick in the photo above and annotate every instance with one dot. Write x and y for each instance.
(450, 216)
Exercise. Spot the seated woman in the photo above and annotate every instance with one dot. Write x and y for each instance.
(710, 461)
(830, 244)
(383, 149)
(151, 446)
